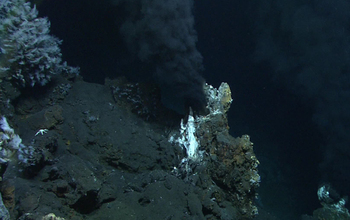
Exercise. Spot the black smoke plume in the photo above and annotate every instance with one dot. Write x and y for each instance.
(161, 33)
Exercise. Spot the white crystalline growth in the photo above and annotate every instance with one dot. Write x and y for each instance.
(218, 100)
(188, 138)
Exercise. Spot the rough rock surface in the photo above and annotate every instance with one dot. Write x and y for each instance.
(99, 160)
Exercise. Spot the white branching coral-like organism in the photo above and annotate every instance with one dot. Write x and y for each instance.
(11, 144)
(29, 55)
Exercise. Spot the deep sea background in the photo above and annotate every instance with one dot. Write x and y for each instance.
(286, 66)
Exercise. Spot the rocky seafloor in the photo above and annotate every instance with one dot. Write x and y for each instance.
(103, 152)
